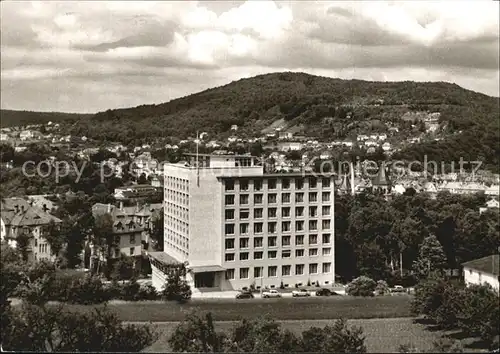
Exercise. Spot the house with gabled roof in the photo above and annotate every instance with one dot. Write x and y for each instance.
(20, 217)
(482, 270)
(131, 227)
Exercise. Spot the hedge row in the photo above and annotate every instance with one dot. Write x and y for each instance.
(91, 290)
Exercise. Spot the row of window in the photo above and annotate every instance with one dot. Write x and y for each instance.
(272, 183)
(173, 246)
(176, 197)
(177, 239)
(272, 271)
(177, 225)
(272, 241)
(272, 198)
(272, 227)
(272, 212)
(42, 247)
(176, 210)
(177, 183)
(258, 255)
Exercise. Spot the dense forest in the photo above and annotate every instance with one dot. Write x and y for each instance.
(10, 118)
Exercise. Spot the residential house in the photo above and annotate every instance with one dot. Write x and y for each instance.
(42, 202)
(18, 217)
(29, 135)
(386, 146)
(285, 135)
(482, 270)
(137, 192)
(382, 137)
(362, 137)
(128, 232)
(290, 146)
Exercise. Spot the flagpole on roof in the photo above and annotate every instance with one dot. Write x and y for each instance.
(197, 159)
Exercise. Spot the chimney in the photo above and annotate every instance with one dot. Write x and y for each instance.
(109, 208)
(121, 205)
(22, 208)
(137, 206)
(16, 207)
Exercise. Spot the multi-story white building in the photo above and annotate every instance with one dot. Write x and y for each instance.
(234, 225)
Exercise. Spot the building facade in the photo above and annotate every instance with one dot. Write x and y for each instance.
(19, 217)
(483, 270)
(235, 226)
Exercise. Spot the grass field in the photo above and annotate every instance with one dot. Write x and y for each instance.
(382, 335)
(313, 308)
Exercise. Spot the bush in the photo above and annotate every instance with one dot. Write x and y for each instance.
(382, 288)
(282, 286)
(87, 291)
(362, 286)
(130, 291)
(147, 292)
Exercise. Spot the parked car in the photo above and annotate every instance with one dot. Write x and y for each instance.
(325, 292)
(398, 289)
(300, 293)
(244, 295)
(271, 293)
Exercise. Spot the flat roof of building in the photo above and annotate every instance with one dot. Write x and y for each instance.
(163, 257)
(286, 174)
(216, 155)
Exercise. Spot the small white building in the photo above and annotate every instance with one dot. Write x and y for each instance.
(482, 270)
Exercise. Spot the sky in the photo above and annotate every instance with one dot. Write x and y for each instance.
(91, 56)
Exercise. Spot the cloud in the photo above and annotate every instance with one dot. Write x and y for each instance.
(92, 56)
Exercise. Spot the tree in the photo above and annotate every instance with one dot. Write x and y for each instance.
(480, 313)
(41, 329)
(176, 287)
(338, 338)
(361, 286)
(23, 244)
(261, 335)
(431, 257)
(103, 239)
(196, 334)
(55, 238)
(123, 268)
(438, 300)
(157, 232)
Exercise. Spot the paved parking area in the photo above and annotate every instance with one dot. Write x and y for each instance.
(232, 294)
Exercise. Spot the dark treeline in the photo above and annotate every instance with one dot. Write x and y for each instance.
(372, 234)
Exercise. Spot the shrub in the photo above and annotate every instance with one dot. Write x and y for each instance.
(147, 292)
(338, 338)
(87, 291)
(382, 287)
(282, 286)
(362, 286)
(130, 291)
